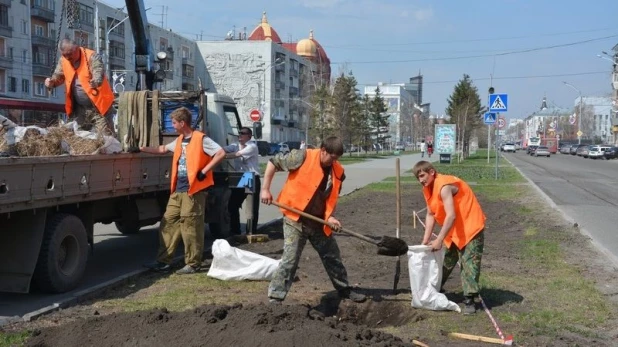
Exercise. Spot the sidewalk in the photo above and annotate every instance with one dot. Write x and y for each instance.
(358, 175)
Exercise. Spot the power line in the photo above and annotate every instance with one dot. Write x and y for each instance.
(469, 40)
(507, 78)
(479, 55)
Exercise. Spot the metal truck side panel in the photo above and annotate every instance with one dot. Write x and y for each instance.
(17, 180)
(20, 241)
(47, 181)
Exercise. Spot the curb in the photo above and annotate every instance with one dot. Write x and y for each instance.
(567, 217)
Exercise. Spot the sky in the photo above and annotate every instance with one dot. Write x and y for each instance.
(524, 48)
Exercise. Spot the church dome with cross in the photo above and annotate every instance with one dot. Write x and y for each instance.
(264, 32)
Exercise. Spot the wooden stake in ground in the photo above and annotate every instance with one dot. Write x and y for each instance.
(398, 225)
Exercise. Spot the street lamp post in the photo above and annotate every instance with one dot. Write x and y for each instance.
(107, 67)
(277, 62)
(579, 116)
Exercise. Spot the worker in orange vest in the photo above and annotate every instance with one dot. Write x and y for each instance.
(195, 156)
(89, 96)
(313, 186)
(452, 204)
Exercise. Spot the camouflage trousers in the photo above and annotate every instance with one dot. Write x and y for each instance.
(88, 118)
(295, 237)
(469, 262)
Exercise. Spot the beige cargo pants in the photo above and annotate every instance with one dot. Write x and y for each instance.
(183, 218)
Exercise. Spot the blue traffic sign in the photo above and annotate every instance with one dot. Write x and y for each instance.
(498, 102)
(490, 118)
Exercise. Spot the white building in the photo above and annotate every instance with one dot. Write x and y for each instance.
(400, 108)
(602, 119)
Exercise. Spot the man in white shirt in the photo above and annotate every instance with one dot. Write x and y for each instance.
(245, 154)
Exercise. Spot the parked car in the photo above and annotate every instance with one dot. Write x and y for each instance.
(274, 148)
(293, 144)
(611, 153)
(583, 150)
(565, 148)
(400, 147)
(541, 151)
(263, 147)
(574, 148)
(509, 147)
(597, 152)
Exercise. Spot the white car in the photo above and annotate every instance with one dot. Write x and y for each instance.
(597, 152)
(509, 147)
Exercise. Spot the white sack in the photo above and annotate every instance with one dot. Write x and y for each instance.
(425, 269)
(230, 263)
(111, 145)
(21, 131)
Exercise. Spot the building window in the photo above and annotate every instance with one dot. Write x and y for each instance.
(39, 88)
(163, 44)
(38, 31)
(24, 27)
(86, 14)
(4, 16)
(116, 49)
(119, 29)
(12, 84)
(25, 86)
(186, 52)
(10, 53)
(187, 71)
(24, 56)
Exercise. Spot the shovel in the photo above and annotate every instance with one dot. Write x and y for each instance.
(388, 246)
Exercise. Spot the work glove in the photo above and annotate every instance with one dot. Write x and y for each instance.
(201, 176)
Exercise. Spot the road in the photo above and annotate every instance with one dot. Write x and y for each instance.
(116, 255)
(584, 190)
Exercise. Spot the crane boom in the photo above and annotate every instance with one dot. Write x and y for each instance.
(144, 57)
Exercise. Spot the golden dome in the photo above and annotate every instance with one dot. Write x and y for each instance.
(307, 47)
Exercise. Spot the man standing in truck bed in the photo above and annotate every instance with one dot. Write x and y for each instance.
(195, 155)
(89, 96)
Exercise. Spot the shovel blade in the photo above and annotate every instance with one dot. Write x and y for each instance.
(391, 246)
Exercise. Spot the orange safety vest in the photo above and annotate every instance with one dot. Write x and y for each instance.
(302, 184)
(196, 160)
(469, 217)
(101, 97)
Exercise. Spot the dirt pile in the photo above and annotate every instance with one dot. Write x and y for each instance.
(261, 325)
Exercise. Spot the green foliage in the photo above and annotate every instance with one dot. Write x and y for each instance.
(346, 110)
(13, 339)
(377, 117)
(465, 109)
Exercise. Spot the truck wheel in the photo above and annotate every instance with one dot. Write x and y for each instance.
(63, 255)
(129, 219)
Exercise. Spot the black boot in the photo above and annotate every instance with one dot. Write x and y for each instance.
(469, 305)
(348, 293)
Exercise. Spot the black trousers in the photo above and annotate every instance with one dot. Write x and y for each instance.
(236, 199)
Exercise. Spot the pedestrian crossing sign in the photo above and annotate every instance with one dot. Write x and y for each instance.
(490, 118)
(498, 102)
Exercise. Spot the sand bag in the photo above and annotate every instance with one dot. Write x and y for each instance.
(425, 276)
(230, 263)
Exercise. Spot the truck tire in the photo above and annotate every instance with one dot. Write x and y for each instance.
(129, 223)
(63, 255)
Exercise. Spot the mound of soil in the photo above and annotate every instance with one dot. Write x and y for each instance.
(255, 325)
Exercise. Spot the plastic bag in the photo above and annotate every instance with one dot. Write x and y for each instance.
(230, 263)
(425, 269)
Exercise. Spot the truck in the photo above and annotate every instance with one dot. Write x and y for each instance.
(49, 205)
(551, 143)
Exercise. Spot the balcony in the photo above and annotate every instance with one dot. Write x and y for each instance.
(293, 91)
(291, 124)
(187, 79)
(6, 3)
(40, 69)
(187, 61)
(6, 30)
(6, 62)
(280, 67)
(279, 103)
(42, 13)
(115, 60)
(280, 85)
(275, 121)
(294, 72)
(39, 40)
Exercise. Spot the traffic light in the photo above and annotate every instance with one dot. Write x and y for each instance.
(257, 130)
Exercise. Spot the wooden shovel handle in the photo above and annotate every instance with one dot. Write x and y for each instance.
(320, 220)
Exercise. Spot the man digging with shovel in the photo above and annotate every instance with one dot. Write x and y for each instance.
(313, 186)
(452, 204)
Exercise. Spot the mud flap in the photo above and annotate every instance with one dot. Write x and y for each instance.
(20, 241)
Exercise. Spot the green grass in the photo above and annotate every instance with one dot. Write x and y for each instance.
(13, 339)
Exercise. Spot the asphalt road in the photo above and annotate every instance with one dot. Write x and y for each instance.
(116, 255)
(584, 190)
